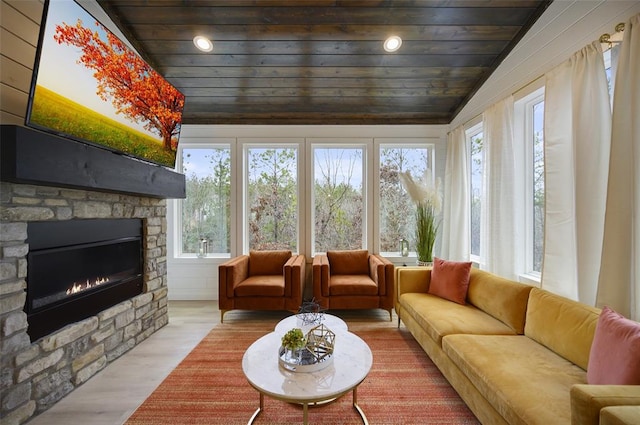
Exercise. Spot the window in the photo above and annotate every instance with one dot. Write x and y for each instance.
(474, 135)
(206, 210)
(272, 197)
(338, 198)
(397, 211)
(529, 127)
(536, 137)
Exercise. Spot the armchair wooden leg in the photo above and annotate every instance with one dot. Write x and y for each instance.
(390, 315)
(222, 312)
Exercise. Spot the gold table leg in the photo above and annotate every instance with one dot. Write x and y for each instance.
(358, 409)
(258, 410)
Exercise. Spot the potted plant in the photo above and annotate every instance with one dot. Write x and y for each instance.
(426, 196)
(293, 342)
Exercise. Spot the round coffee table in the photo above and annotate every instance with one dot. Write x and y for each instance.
(352, 360)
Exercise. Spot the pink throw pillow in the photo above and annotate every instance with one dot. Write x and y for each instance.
(615, 353)
(450, 280)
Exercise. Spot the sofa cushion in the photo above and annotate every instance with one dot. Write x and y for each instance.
(267, 262)
(502, 298)
(562, 325)
(450, 280)
(349, 262)
(614, 357)
(440, 317)
(526, 382)
(619, 415)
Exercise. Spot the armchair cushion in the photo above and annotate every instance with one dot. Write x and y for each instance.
(353, 285)
(263, 263)
(349, 262)
(261, 286)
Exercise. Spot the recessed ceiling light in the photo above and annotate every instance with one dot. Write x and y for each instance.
(392, 43)
(203, 43)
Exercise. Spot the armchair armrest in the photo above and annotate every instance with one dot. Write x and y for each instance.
(294, 276)
(381, 271)
(588, 400)
(230, 274)
(320, 268)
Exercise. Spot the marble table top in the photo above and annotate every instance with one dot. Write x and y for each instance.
(351, 363)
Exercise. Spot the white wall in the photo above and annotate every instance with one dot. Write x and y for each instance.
(197, 278)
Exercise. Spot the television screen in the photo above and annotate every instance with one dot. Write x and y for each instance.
(88, 85)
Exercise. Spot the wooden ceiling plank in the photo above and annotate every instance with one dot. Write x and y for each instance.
(177, 72)
(229, 15)
(322, 47)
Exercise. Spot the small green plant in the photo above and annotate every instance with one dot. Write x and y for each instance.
(294, 339)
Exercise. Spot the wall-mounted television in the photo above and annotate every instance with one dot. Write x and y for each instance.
(89, 86)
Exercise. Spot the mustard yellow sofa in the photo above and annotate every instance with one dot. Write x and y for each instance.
(514, 353)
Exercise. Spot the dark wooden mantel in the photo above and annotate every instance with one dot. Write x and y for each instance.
(30, 156)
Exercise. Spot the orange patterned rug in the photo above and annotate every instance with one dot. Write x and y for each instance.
(208, 386)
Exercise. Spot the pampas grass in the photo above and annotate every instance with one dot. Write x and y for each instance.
(426, 195)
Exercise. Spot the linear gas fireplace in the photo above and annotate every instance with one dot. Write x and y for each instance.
(78, 268)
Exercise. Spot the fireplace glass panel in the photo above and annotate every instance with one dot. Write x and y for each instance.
(73, 271)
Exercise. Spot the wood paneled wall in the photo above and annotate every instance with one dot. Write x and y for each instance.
(19, 26)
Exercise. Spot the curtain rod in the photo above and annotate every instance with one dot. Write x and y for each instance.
(609, 39)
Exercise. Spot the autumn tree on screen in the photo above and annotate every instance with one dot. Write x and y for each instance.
(134, 88)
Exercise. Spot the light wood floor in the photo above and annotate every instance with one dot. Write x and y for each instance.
(111, 396)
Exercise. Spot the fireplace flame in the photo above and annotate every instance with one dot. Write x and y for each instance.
(83, 286)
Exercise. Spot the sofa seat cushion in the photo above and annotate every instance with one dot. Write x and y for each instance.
(523, 380)
(352, 284)
(265, 286)
(440, 317)
(619, 415)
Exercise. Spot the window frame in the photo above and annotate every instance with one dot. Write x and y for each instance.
(366, 145)
(524, 130)
(475, 128)
(179, 204)
(243, 181)
(390, 143)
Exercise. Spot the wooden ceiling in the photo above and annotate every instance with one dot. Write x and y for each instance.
(322, 61)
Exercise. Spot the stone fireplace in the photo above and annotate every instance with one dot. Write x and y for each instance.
(35, 375)
(45, 359)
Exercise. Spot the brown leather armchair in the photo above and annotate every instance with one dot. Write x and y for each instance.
(262, 280)
(353, 279)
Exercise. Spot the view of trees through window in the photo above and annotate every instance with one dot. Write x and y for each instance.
(397, 211)
(272, 198)
(538, 185)
(477, 165)
(338, 198)
(206, 211)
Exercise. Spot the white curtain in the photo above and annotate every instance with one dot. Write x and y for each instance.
(619, 283)
(455, 211)
(497, 238)
(577, 122)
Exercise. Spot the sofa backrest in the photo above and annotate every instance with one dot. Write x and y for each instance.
(502, 298)
(263, 263)
(562, 325)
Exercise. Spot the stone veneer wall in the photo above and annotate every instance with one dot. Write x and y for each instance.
(34, 376)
